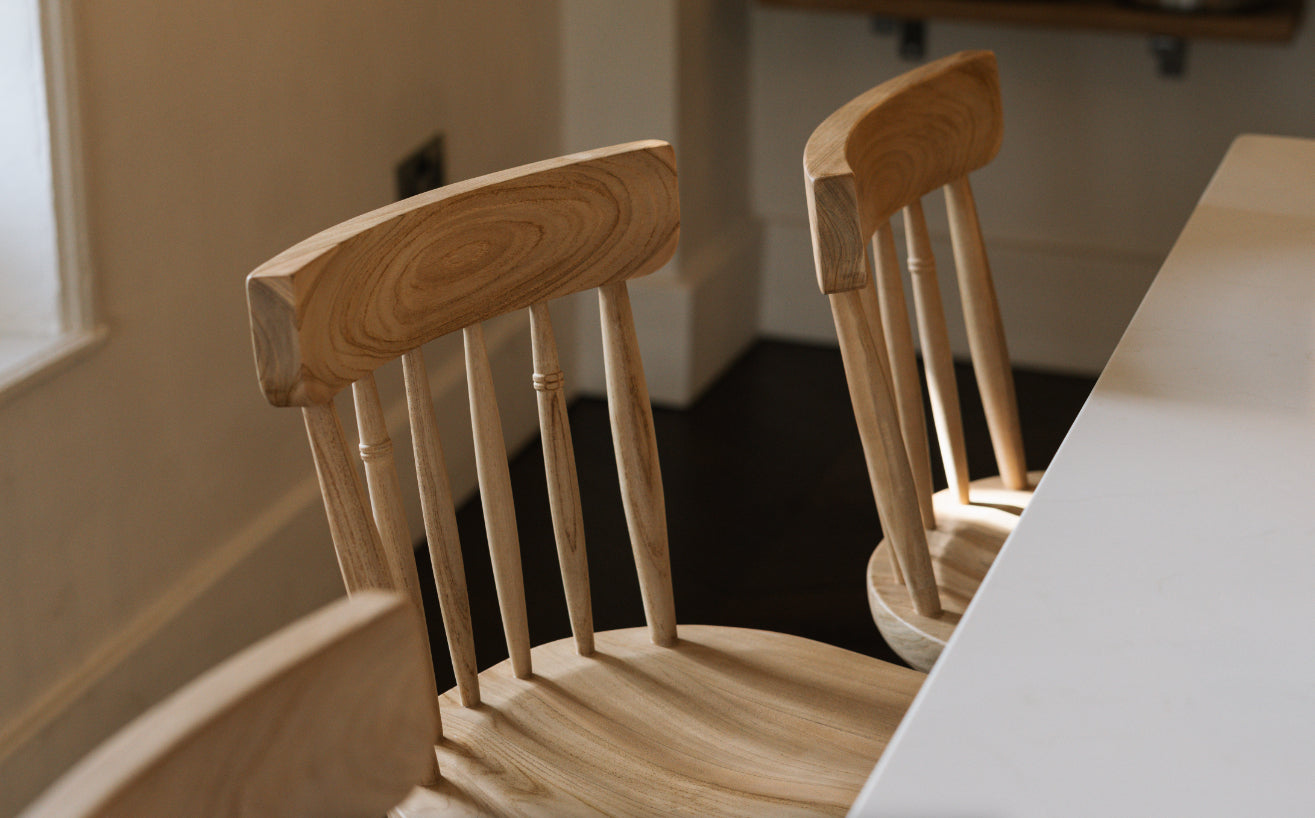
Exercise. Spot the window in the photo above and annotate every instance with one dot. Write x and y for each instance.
(45, 300)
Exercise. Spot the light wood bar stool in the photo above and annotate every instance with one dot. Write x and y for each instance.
(875, 157)
(330, 716)
(643, 721)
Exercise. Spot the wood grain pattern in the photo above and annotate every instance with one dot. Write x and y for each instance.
(727, 722)
(890, 146)
(907, 385)
(963, 546)
(441, 527)
(992, 491)
(637, 460)
(986, 334)
(717, 721)
(563, 484)
(938, 362)
(360, 553)
(336, 306)
(496, 500)
(883, 450)
(879, 153)
(330, 716)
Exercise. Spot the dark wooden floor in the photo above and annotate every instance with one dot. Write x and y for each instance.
(770, 515)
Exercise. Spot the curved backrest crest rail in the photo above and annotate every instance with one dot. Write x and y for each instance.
(393, 279)
(892, 145)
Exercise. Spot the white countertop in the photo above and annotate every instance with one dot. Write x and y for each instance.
(1145, 642)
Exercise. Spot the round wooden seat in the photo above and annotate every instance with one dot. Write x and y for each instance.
(991, 491)
(729, 721)
(963, 545)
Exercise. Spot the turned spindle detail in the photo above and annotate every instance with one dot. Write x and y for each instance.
(549, 381)
(937, 359)
(563, 484)
(903, 366)
(376, 451)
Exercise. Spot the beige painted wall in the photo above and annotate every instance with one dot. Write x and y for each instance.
(156, 512)
(1102, 162)
(676, 70)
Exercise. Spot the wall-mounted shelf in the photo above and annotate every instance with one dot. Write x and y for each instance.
(1276, 22)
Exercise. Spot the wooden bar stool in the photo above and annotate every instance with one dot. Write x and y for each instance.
(876, 156)
(641, 721)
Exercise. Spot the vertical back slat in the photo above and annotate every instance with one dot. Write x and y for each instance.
(563, 485)
(883, 449)
(903, 366)
(986, 337)
(637, 460)
(355, 539)
(937, 359)
(376, 450)
(496, 500)
(441, 527)
(389, 514)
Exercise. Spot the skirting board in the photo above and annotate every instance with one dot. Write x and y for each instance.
(278, 567)
(693, 318)
(1064, 308)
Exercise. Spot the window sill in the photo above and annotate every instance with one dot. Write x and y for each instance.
(26, 361)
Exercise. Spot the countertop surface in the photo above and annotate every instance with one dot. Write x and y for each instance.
(1144, 644)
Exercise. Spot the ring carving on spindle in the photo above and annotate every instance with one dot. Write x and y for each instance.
(375, 451)
(549, 382)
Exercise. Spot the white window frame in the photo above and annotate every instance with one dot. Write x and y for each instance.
(27, 360)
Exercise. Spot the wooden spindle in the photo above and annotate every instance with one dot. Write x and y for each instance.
(496, 500)
(441, 527)
(389, 514)
(986, 337)
(637, 461)
(937, 359)
(563, 485)
(903, 366)
(883, 449)
(360, 553)
(376, 450)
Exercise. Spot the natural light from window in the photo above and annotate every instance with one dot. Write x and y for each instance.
(29, 272)
(44, 303)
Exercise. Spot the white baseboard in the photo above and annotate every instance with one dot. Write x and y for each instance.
(693, 319)
(277, 567)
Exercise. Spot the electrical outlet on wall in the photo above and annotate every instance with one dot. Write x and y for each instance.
(422, 169)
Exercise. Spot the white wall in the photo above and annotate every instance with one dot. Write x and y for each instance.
(1102, 162)
(676, 70)
(157, 514)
